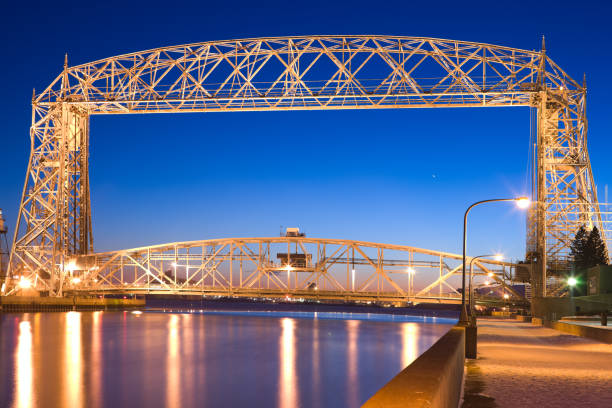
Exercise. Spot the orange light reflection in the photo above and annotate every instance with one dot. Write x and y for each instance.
(316, 374)
(352, 327)
(410, 343)
(173, 364)
(72, 392)
(96, 360)
(23, 399)
(288, 393)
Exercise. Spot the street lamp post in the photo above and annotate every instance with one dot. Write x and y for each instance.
(522, 202)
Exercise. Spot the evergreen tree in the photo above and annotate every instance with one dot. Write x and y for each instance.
(595, 249)
(588, 249)
(578, 248)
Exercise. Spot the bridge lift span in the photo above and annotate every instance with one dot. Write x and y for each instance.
(282, 267)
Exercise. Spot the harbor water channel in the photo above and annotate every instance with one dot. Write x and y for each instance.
(196, 358)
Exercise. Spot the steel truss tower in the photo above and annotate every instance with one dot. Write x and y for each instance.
(298, 73)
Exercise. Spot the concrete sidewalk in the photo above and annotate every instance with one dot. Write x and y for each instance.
(521, 365)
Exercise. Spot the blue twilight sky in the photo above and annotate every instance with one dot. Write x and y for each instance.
(393, 176)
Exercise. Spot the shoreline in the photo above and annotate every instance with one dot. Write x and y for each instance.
(18, 304)
(424, 310)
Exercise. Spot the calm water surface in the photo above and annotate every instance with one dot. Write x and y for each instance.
(218, 359)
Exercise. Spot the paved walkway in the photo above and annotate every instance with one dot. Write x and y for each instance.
(521, 365)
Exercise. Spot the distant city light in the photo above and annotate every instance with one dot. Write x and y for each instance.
(24, 283)
(490, 274)
(76, 281)
(71, 266)
(506, 296)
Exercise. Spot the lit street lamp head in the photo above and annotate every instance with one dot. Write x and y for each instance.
(572, 281)
(523, 202)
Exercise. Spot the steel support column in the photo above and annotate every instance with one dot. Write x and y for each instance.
(565, 191)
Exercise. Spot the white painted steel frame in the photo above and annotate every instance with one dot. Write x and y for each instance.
(250, 267)
(297, 73)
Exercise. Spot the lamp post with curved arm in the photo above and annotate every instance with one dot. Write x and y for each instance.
(522, 202)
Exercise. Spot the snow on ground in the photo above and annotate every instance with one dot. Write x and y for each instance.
(522, 365)
(588, 323)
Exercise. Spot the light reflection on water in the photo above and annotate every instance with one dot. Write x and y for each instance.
(108, 359)
(73, 363)
(287, 391)
(352, 384)
(410, 343)
(96, 360)
(173, 369)
(24, 366)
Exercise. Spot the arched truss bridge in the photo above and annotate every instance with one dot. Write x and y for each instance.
(299, 73)
(285, 267)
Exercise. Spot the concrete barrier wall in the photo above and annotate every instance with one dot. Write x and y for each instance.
(501, 313)
(552, 309)
(591, 332)
(433, 380)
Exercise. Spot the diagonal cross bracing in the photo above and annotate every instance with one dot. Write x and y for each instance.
(249, 267)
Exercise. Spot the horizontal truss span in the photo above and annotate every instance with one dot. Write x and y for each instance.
(307, 73)
(280, 267)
